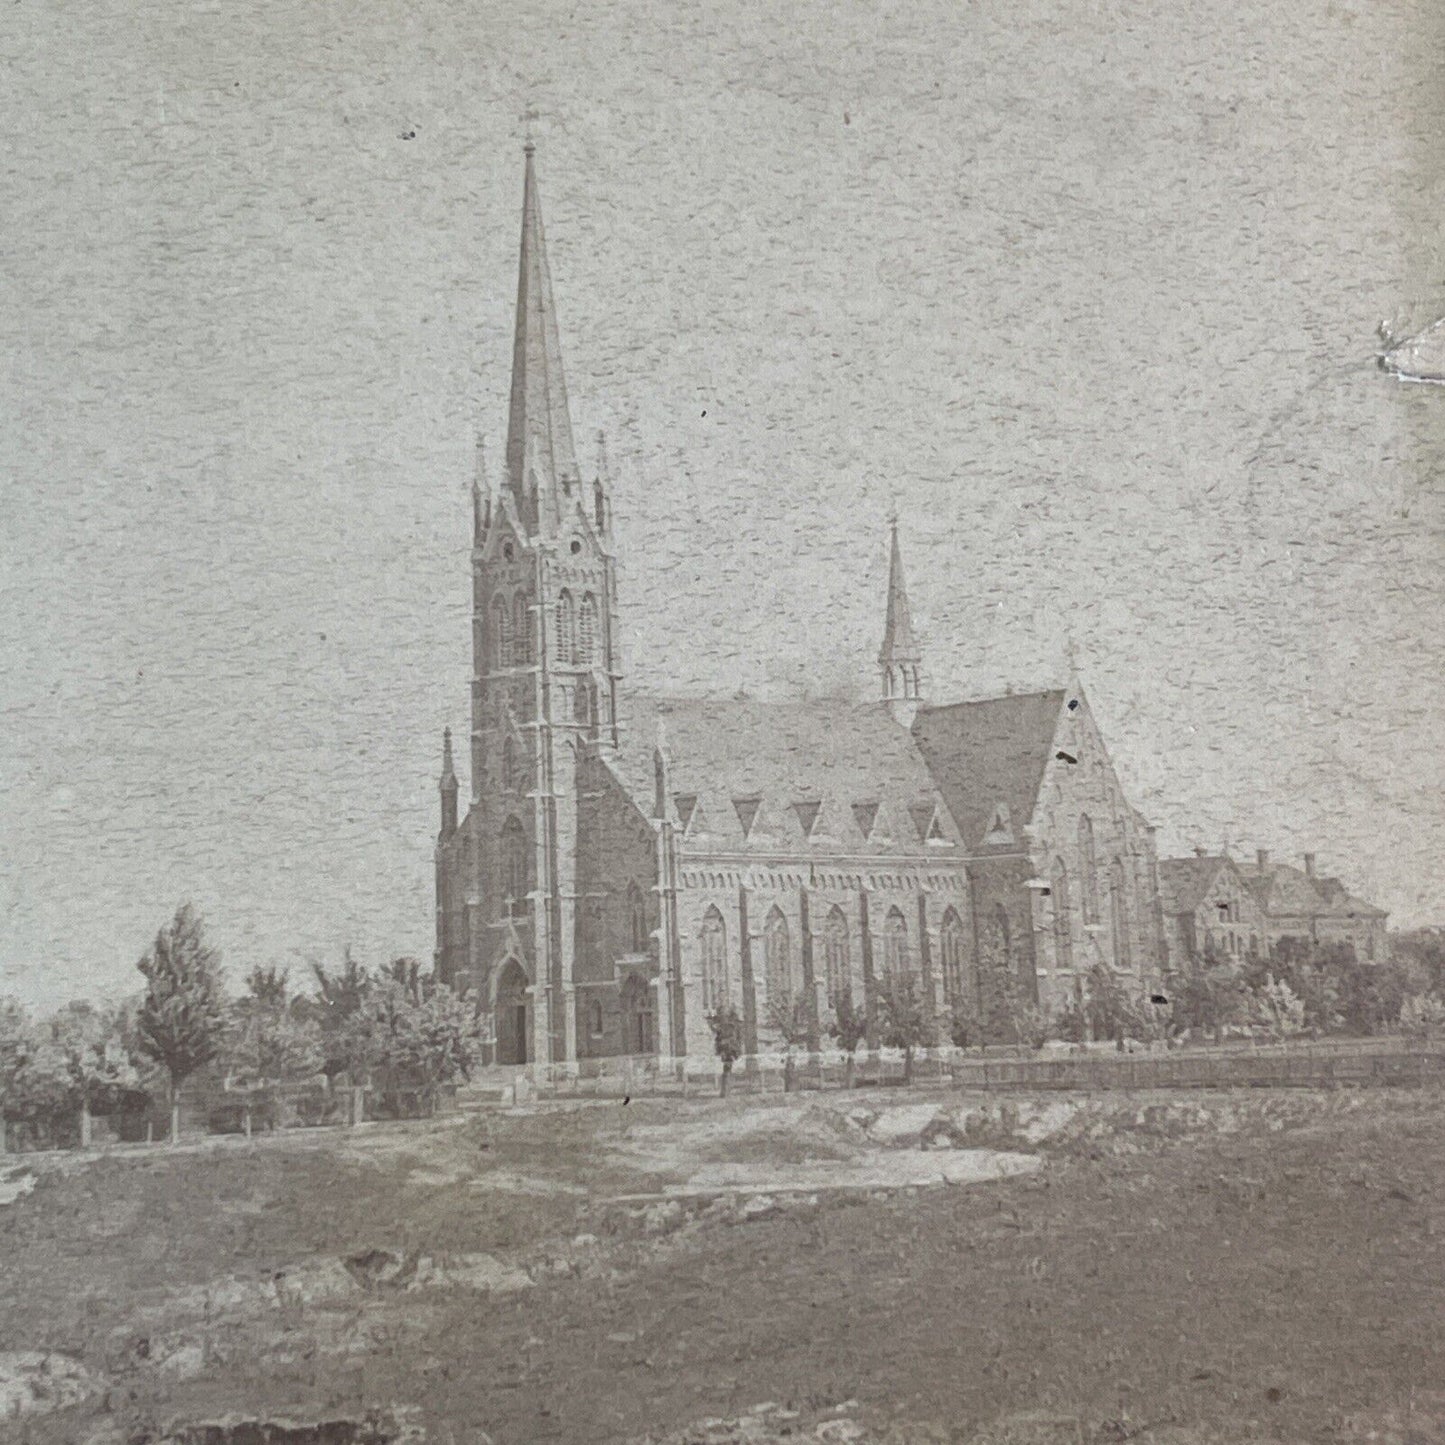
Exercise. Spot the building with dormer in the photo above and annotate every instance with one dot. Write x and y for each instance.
(628, 865)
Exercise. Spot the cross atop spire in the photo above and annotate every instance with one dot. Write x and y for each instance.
(900, 656)
(541, 462)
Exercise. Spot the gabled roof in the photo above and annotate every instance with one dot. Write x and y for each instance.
(1284, 891)
(1185, 883)
(985, 753)
(737, 759)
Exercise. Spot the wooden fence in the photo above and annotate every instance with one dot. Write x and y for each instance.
(1326, 1064)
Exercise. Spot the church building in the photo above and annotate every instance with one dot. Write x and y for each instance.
(628, 865)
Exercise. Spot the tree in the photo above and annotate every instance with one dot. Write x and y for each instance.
(271, 1041)
(1209, 999)
(727, 1041)
(181, 1022)
(965, 1025)
(1112, 1014)
(102, 1074)
(792, 1018)
(1422, 1016)
(1279, 1009)
(335, 1007)
(414, 1033)
(850, 1027)
(902, 1018)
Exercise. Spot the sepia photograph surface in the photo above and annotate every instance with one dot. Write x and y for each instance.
(722, 723)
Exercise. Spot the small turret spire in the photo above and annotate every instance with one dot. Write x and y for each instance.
(448, 787)
(481, 495)
(900, 658)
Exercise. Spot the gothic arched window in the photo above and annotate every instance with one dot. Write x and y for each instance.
(566, 629)
(1119, 915)
(636, 918)
(836, 961)
(1063, 923)
(594, 1019)
(511, 764)
(521, 631)
(1088, 870)
(1003, 935)
(502, 631)
(778, 956)
(587, 629)
(515, 886)
(950, 946)
(714, 962)
(895, 945)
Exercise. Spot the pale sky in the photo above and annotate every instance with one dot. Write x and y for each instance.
(1086, 289)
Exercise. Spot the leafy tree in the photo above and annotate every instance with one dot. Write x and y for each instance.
(35, 1085)
(102, 1075)
(903, 1020)
(1423, 1016)
(1279, 1009)
(793, 1020)
(415, 1034)
(336, 1008)
(271, 1041)
(727, 1040)
(1209, 999)
(181, 1022)
(1112, 1014)
(849, 1026)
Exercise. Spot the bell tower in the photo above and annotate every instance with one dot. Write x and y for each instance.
(544, 678)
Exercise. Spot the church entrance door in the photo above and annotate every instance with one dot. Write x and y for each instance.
(637, 1017)
(512, 1015)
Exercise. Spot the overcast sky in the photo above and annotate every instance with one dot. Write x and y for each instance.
(1086, 289)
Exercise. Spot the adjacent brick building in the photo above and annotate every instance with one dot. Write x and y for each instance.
(1217, 908)
(628, 864)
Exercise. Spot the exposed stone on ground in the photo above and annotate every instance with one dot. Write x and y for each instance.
(33, 1381)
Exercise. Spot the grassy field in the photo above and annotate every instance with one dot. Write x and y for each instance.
(1202, 1269)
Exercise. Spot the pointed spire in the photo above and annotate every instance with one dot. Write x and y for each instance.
(900, 656)
(541, 463)
(448, 786)
(481, 492)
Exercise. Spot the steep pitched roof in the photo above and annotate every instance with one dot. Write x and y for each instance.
(756, 771)
(540, 454)
(985, 753)
(1184, 883)
(1284, 891)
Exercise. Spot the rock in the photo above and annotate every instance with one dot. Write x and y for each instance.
(479, 1272)
(584, 1241)
(314, 1283)
(760, 1206)
(35, 1381)
(902, 1125)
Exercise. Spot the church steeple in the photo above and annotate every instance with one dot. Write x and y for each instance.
(900, 658)
(542, 469)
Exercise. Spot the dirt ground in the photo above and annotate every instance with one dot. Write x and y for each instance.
(1261, 1267)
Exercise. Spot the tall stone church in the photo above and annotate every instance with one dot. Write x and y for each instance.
(629, 864)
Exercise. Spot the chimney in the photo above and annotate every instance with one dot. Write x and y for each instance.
(1309, 865)
(1261, 856)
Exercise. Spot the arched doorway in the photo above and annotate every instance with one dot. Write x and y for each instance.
(513, 1015)
(637, 1017)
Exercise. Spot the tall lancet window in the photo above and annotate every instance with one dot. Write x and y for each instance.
(515, 886)
(521, 631)
(587, 630)
(566, 629)
(895, 946)
(1063, 923)
(637, 918)
(950, 940)
(714, 962)
(1119, 915)
(778, 955)
(1088, 870)
(502, 631)
(836, 957)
